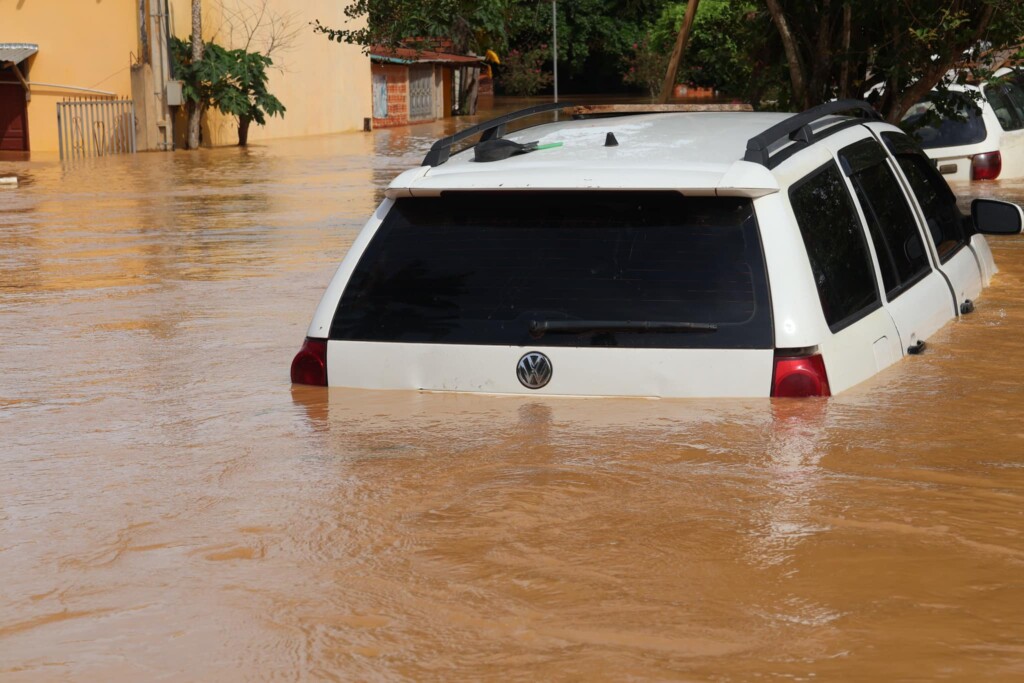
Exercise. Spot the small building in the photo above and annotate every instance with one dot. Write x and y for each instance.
(415, 86)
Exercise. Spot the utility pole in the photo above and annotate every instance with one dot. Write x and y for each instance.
(554, 42)
(677, 51)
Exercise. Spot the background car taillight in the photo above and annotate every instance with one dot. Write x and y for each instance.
(799, 375)
(310, 364)
(986, 166)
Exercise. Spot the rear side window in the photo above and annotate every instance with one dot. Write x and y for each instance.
(1004, 106)
(945, 222)
(630, 269)
(836, 247)
(894, 232)
(1015, 95)
(945, 120)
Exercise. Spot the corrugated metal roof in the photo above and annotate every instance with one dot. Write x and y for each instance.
(17, 52)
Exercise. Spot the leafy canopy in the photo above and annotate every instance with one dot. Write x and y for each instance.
(232, 81)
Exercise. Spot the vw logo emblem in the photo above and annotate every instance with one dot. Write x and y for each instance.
(534, 370)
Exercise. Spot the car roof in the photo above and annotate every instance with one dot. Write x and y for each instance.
(695, 150)
(676, 140)
(698, 151)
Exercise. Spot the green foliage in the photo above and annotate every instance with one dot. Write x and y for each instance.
(904, 48)
(588, 30)
(832, 48)
(472, 25)
(522, 73)
(646, 67)
(232, 81)
(718, 53)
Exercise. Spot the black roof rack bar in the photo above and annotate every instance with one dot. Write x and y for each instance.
(491, 130)
(798, 129)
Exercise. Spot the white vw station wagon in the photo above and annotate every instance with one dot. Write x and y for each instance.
(660, 254)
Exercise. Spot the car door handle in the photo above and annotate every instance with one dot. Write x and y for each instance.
(916, 348)
(966, 307)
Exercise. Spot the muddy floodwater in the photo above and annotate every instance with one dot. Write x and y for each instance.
(171, 509)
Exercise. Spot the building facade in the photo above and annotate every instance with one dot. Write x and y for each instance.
(105, 51)
(80, 50)
(324, 85)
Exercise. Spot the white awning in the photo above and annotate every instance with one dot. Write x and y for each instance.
(16, 52)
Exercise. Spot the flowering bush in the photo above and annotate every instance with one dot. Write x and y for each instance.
(522, 73)
(645, 67)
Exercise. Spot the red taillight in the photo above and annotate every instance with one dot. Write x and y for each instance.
(310, 364)
(986, 166)
(797, 376)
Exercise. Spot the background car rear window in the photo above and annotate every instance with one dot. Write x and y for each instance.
(836, 247)
(479, 268)
(894, 230)
(1004, 104)
(945, 222)
(948, 120)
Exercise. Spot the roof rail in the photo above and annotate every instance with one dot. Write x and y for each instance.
(490, 130)
(798, 129)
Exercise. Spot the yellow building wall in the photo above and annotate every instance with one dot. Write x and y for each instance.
(324, 86)
(83, 43)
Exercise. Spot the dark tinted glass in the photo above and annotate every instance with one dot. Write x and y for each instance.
(1015, 95)
(836, 247)
(945, 222)
(894, 232)
(479, 268)
(959, 122)
(999, 100)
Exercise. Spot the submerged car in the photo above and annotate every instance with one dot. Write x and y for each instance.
(666, 254)
(979, 136)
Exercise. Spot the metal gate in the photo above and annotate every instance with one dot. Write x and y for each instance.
(421, 92)
(95, 128)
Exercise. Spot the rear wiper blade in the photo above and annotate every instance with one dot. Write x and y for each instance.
(540, 327)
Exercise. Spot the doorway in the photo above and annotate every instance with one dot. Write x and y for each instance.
(13, 113)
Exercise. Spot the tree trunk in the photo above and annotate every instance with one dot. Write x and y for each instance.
(195, 115)
(796, 68)
(821, 62)
(844, 69)
(677, 52)
(243, 130)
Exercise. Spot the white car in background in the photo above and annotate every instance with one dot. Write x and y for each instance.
(669, 254)
(988, 144)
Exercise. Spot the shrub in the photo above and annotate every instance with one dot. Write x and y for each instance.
(522, 73)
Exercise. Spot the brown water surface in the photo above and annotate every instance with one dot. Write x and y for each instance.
(171, 509)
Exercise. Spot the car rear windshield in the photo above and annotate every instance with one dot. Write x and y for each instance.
(630, 269)
(948, 120)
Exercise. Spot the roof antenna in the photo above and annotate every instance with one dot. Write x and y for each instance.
(610, 141)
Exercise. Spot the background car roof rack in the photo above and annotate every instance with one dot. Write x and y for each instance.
(598, 110)
(797, 128)
(489, 130)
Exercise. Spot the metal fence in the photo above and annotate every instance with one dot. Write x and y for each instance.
(95, 128)
(421, 92)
